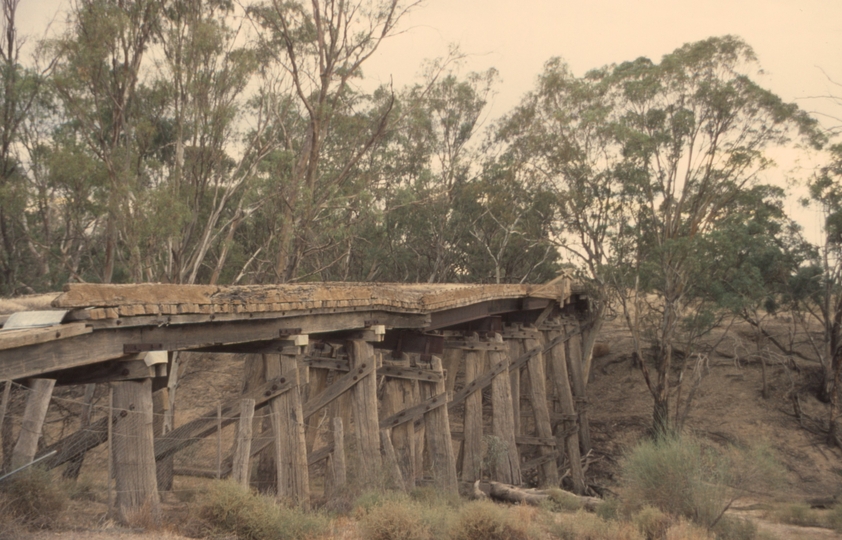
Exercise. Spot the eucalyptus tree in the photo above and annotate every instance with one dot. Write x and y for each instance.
(214, 140)
(648, 160)
(425, 167)
(320, 48)
(98, 63)
(694, 131)
(560, 140)
(816, 289)
(23, 261)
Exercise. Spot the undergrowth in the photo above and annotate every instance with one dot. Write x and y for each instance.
(231, 508)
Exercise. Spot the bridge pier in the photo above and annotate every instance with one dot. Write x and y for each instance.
(134, 452)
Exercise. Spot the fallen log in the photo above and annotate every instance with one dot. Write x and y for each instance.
(535, 497)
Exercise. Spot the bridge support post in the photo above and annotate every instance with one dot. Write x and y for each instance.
(439, 442)
(289, 432)
(472, 446)
(507, 460)
(548, 472)
(366, 419)
(134, 452)
(398, 395)
(567, 433)
(37, 402)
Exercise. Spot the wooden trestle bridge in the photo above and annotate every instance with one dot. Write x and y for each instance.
(399, 368)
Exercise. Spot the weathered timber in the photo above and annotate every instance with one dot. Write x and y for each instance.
(317, 385)
(5, 430)
(472, 447)
(414, 412)
(513, 494)
(568, 434)
(187, 434)
(257, 298)
(439, 444)
(242, 452)
(339, 387)
(485, 380)
(536, 497)
(451, 360)
(127, 368)
(37, 402)
(254, 374)
(523, 440)
(397, 396)
(390, 461)
(516, 350)
(418, 374)
(76, 444)
(507, 465)
(290, 439)
(538, 397)
(574, 362)
(336, 477)
(364, 398)
(31, 336)
(134, 454)
(335, 364)
(540, 461)
(314, 320)
(72, 470)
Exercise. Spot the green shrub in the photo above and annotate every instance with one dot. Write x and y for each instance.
(484, 520)
(730, 528)
(34, 498)
(797, 514)
(652, 522)
(609, 509)
(687, 530)
(834, 518)
(562, 501)
(681, 477)
(394, 521)
(229, 507)
(586, 526)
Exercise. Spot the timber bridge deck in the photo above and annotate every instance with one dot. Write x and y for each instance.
(328, 350)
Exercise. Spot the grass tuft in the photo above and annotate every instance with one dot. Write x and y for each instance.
(585, 526)
(33, 498)
(484, 520)
(230, 508)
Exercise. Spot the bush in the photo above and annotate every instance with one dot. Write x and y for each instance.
(652, 522)
(687, 530)
(562, 501)
(681, 477)
(797, 514)
(729, 528)
(484, 520)
(229, 507)
(33, 498)
(834, 518)
(585, 526)
(394, 521)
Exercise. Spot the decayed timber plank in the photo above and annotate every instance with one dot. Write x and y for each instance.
(103, 345)
(400, 372)
(339, 387)
(414, 412)
(23, 337)
(140, 299)
(353, 319)
(193, 431)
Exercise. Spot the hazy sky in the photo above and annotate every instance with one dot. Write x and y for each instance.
(798, 42)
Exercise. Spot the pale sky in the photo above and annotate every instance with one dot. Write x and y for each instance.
(798, 42)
